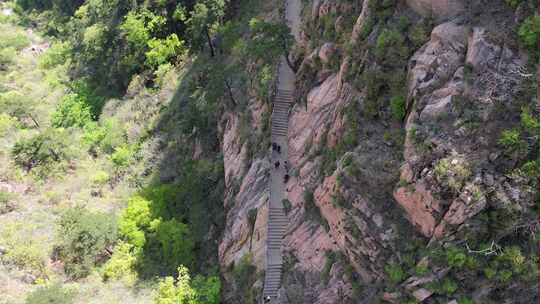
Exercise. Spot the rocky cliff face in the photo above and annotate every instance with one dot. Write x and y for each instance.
(364, 191)
(453, 126)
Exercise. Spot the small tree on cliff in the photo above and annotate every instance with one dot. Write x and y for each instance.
(269, 41)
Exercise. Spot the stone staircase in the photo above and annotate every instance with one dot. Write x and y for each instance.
(277, 219)
(280, 114)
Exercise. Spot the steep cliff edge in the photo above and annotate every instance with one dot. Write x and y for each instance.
(400, 179)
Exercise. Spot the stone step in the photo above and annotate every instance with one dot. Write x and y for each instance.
(281, 115)
(282, 104)
(280, 126)
(280, 120)
(278, 101)
(272, 267)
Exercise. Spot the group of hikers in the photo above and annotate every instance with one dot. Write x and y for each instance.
(277, 148)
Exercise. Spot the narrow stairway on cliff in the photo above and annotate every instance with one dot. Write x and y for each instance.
(277, 219)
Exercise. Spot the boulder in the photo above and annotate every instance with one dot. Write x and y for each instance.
(422, 294)
(326, 52)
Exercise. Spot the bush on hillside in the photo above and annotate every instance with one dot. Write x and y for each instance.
(16, 104)
(176, 242)
(7, 123)
(73, 111)
(529, 32)
(51, 294)
(56, 55)
(121, 156)
(7, 202)
(12, 38)
(82, 237)
(122, 263)
(46, 149)
(397, 107)
(7, 57)
(200, 290)
(162, 51)
(106, 135)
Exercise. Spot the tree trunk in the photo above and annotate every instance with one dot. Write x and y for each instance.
(212, 52)
(229, 89)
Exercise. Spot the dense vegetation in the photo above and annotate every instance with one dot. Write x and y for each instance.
(113, 79)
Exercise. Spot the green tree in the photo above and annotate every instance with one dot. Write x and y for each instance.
(204, 21)
(176, 242)
(82, 238)
(269, 41)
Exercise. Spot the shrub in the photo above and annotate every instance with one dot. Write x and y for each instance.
(82, 237)
(455, 257)
(395, 273)
(162, 72)
(7, 57)
(42, 150)
(419, 34)
(449, 287)
(100, 178)
(529, 122)
(529, 32)
(511, 139)
(6, 123)
(330, 260)
(7, 203)
(397, 107)
(15, 104)
(244, 276)
(200, 290)
(11, 38)
(176, 242)
(532, 168)
(135, 220)
(54, 293)
(134, 27)
(107, 135)
(512, 4)
(390, 46)
(22, 250)
(56, 55)
(163, 50)
(122, 263)
(73, 111)
(121, 156)
(452, 173)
